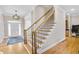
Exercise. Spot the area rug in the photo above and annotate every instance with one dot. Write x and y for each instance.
(14, 40)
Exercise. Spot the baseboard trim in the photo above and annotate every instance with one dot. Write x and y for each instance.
(52, 45)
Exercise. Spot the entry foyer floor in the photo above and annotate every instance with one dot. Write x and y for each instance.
(13, 49)
(69, 46)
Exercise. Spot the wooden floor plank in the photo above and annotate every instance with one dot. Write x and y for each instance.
(13, 49)
(69, 46)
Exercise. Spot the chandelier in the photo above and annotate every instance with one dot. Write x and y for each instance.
(16, 16)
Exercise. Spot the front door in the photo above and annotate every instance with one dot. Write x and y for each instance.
(14, 28)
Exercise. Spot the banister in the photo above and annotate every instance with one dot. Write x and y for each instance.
(38, 19)
(34, 41)
(44, 21)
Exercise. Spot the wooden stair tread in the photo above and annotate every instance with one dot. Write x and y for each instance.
(43, 33)
(41, 37)
(44, 30)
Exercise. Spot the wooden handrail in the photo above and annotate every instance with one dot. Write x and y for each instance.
(44, 21)
(38, 19)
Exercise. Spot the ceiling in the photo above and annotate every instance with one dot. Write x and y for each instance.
(25, 9)
(21, 9)
(72, 9)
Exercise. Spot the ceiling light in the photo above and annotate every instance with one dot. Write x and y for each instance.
(16, 16)
(72, 9)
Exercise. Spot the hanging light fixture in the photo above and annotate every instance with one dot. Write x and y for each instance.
(16, 16)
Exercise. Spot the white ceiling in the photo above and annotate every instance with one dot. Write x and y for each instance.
(22, 9)
(25, 9)
(68, 9)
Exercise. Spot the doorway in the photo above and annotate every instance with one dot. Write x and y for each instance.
(72, 26)
(14, 28)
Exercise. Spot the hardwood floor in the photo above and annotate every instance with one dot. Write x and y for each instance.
(69, 46)
(13, 49)
(58, 49)
(73, 45)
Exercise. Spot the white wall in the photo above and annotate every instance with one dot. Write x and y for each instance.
(75, 20)
(1, 24)
(28, 19)
(1, 28)
(60, 22)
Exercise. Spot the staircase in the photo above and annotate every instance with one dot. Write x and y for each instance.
(36, 38)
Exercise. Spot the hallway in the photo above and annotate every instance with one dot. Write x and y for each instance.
(39, 28)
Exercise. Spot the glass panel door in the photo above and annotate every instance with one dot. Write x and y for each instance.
(14, 29)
